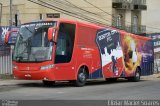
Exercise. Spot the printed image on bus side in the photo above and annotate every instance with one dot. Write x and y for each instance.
(124, 54)
(67, 50)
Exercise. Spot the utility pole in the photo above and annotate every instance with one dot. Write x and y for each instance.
(0, 12)
(10, 13)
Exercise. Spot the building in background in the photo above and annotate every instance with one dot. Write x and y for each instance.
(123, 14)
(127, 15)
(156, 43)
(29, 10)
(136, 16)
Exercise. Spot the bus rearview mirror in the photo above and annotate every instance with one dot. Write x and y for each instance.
(52, 32)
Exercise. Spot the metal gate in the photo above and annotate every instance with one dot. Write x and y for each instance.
(5, 53)
(5, 61)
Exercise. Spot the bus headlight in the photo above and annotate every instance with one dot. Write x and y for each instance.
(47, 67)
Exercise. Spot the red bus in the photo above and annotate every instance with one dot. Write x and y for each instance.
(67, 50)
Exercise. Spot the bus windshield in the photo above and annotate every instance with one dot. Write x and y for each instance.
(32, 43)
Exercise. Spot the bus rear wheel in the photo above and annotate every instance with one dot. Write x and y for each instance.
(81, 78)
(136, 77)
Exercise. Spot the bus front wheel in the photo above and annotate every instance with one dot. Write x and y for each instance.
(81, 78)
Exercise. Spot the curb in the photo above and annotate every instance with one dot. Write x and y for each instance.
(153, 77)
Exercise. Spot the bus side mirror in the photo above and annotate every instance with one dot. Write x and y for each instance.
(52, 32)
(10, 37)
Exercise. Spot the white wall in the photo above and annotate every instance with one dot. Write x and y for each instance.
(128, 17)
(151, 17)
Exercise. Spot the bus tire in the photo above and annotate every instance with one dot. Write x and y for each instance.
(81, 78)
(48, 83)
(136, 77)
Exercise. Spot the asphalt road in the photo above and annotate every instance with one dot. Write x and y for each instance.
(147, 89)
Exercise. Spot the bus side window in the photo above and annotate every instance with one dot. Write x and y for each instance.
(61, 45)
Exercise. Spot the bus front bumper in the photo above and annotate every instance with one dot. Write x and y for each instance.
(34, 75)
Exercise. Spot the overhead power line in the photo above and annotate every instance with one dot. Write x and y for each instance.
(87, 11)
(47, 5)
(98, 8)
(76, 9)
(114, 16)
(71, 9)
(63, 8)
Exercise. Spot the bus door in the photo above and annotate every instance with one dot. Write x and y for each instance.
(63, 54)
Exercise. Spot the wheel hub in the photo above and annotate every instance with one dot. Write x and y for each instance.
(82, 77)
(137, 75)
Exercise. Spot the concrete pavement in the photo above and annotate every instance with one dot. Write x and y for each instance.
(5, 82)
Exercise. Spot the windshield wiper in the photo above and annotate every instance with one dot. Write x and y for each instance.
(29, 30)
(20, 35)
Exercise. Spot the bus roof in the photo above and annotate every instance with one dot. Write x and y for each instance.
(87, 24)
